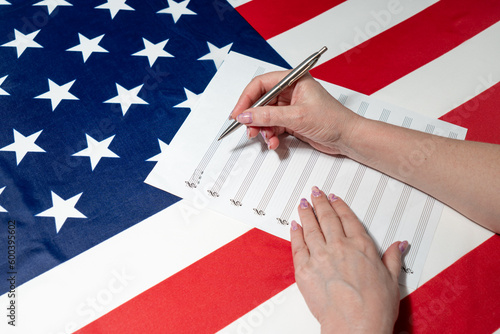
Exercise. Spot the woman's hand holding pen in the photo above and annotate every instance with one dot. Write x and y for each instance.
(305, 110)
(453, 171)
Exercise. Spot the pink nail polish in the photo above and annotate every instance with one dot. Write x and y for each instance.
(294, 225)
(264, 135)
(316, 192)
(248, 133)
(332, 198)
(244, 118)
(402, 246)
(304, 204)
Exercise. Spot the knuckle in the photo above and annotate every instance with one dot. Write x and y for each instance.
(299, 249)
(337, 242)
(256, 80)
(321, 255)
(365, 244)
(346, 215)
(326, 216)
(300, 116)
(315, 232)
(303, 273)
(338, 248)
(266, 117)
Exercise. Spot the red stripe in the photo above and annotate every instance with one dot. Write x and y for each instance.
(256, 266)
(209, 294)
(273, 17)
(464, 298)
(409, 45)
(480, 116)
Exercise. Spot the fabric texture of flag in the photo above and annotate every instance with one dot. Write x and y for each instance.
(89, 89)
(91, 93)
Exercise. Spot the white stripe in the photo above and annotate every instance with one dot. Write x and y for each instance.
(82, 289)
(79, 291)
(236, 3)
(286, 312)
(433, 90)
(450, 80)
(455, 236)
(343, 27)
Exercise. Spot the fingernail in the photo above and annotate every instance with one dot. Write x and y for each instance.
(244, 118)
(316, 192)
(264, 135)
(332, 198)
(294, 225)
(402, 246)
(230, 117)
(304, 204)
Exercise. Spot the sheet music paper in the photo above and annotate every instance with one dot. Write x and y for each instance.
(241, 178)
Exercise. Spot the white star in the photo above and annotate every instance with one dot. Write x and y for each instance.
(115, 6)
(21, 42)
(52, 4)
(177, 9)
(190, 102)
(87, 46)
(153, 51)
(127, 97)
(161, 155)
(2, 92)
(3, 2)
(23, 145)
(62, 209)
(58, 93)
(96, 150)
(1, 208)
(216, 54)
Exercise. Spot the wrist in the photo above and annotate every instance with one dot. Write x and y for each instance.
(352, 136)
(341, 327)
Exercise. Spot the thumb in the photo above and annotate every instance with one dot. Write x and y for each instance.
(392, 258)
(267, 116)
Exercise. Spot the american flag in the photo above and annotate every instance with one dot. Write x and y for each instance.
(92, 92)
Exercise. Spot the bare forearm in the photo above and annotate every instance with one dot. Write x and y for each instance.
(462, 174)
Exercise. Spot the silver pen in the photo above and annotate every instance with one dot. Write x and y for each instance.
(287, 81)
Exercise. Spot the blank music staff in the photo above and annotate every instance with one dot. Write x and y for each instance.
(195, 178)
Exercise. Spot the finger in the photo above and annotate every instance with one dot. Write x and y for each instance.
(252, 131)
(266, 133)
(350, 223)
(392, 258)
(270, 137)
(313, 236)
(300, 252)
(259, 86)
(328, 219)
(273, 143)
(271, 116)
